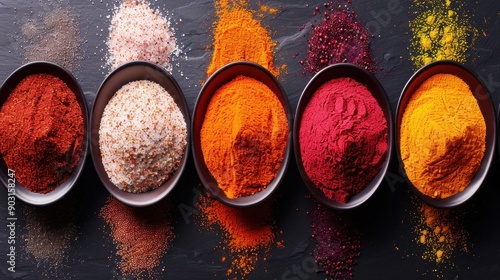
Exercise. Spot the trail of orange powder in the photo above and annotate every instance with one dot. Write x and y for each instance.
(247, 233)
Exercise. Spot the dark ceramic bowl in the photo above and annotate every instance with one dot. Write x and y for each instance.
(129, 72)
(8, 86)
(362, 76)
(486, 106)
(218, 79)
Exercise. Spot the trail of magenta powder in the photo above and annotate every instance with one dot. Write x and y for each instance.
(338, 243)
(338, 38)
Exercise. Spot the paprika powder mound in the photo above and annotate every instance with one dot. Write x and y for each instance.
(41, 127)
(442, 136)
(244, 136)
(343, 138)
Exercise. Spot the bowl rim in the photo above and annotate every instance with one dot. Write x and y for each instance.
(41, 67)
(94, 137)
(198, 157)
(456, 199)
(380, 96)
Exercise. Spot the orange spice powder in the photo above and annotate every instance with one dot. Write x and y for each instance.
(238, 35)
(248, 233)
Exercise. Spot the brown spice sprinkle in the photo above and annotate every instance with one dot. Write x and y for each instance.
(141, 235)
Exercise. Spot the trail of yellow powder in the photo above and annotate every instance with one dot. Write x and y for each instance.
(239, 36)
(441, 30)
(443, 136)
(440, 232)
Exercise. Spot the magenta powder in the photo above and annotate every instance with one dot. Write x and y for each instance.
(338, 38)
(343, 138)
(338, 244)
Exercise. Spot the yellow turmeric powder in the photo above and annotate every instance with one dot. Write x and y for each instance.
(239, 36)
(442, 136)
(243, 136)
(440, 232)
(440, 31)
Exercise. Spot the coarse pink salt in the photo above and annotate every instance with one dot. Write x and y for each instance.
(138, 32)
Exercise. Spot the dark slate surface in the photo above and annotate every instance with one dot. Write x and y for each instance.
(386, 217)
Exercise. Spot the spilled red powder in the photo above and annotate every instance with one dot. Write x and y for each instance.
(343, 138)
(338, 244)
(141, 235)
(247, 233)
(338, 38)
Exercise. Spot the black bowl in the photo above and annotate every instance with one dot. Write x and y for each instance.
(216, 80)
(486, 106)
(43, 67)
(129, 72)
(362, 76)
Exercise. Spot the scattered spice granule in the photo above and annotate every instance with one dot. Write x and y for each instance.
(338, 243)
(339, 37)
(440, 31)
(247, 233)
(53, 37)
(141, 235)
(439, 232)
(48, 234)
(137, 32)
(142, 136)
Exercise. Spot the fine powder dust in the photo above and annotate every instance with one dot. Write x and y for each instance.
(442, 136)
(55, 38)
(243, 136)
(343, 138)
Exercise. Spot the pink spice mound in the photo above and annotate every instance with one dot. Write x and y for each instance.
(343, 138)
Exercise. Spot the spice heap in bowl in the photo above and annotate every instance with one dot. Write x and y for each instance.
(241, 134)
(342, 135)
(139, 132)
(445, 133)
(43, 120)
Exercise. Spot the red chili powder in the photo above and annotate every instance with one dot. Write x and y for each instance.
(343, 138)
(248, 233)
(338, 38)
(141, 235)
(41, 127)
(338, 244)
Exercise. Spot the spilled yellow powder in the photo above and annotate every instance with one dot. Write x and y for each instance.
(442, 137)
(440, 31)
(239, 36)
(439, 232)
